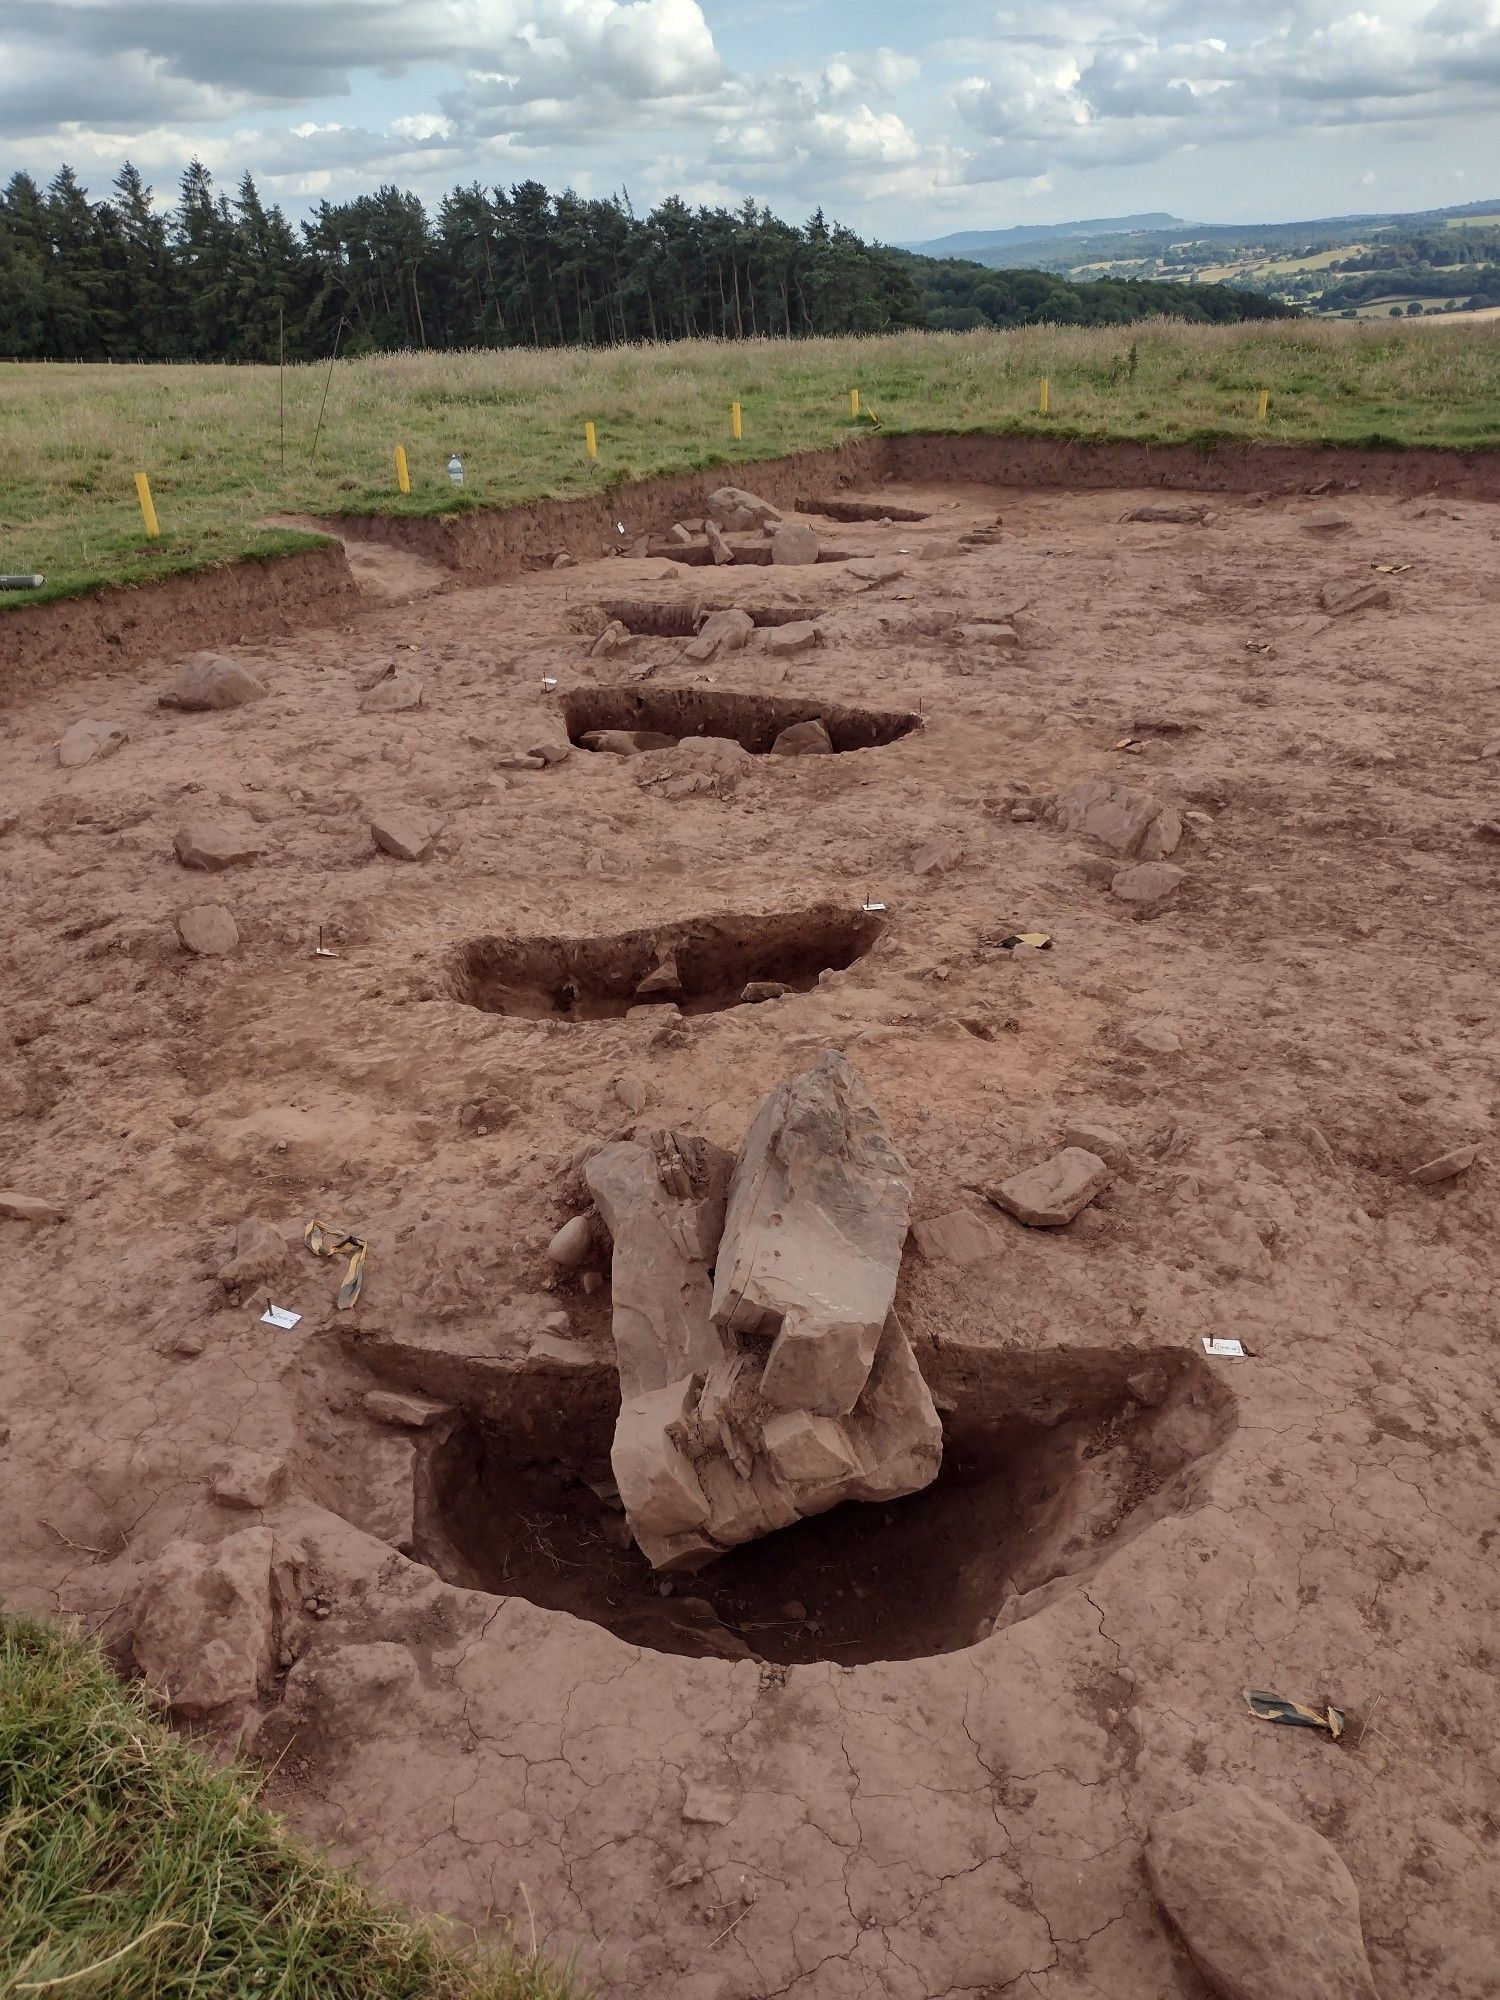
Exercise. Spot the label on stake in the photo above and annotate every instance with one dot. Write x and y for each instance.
(1216, 1346)
(280, 1316)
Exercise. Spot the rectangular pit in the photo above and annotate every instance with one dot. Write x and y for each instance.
(754, 721)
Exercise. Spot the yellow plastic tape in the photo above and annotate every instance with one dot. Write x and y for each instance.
(326, 1242)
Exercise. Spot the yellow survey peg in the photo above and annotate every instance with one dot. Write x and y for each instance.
(1264, 407)
(1044, 400)
(403, 475)
(737, 429)
(590, 440)
(148, 505)
(854, 404)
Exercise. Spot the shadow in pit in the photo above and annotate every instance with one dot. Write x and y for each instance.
(715, 958)
(1051, 1463)
(754, 721)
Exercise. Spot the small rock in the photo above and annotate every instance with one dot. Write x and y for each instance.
(663, 980)
(213, 846)
(1342, 598)
(685, 1874)
(626, 742)
(960, 1237)
(631, 1092)
(794, 1610)
(1003, 637)
(87, 740)
(18, 1207)
(735, 509)
(1447, 1166)
(936, 857)
(399, 832)
(709, 1805)
(721, 632)
(1326, 522)
(718, 548)
(1179, 513)
(680, 534)
(1090, 1138)
(794, 542)
(615, 638)
(1149, 885)
(793, 638)
(803, 739)
(1148, 1386)
(755, 991)
(208, 930)
(203, 1628)
(562, 1353)
(591, 1282)
(406, 1412)
(186, 1345)
(551, 753)
(392, 694)
(564, 561)
(260, 1256)
(208, 681)
(1153, 1038)
(1237, 1879)
(250, 1479)
(573, 1245)
(10, 821)
(875, 569)
(1049, 1195)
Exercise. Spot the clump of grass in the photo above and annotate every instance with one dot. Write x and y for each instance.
(72, 437)
(130, 1868)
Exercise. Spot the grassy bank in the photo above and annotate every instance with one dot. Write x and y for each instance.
(130, 1869)
(71, 438)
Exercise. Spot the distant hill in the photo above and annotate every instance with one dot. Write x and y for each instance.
(971, 242)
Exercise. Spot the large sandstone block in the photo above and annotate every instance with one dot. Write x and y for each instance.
(204, 1622)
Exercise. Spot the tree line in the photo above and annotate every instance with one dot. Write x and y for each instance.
(960, 296)
(228, 278)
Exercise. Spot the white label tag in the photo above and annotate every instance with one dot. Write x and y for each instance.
(1222, 1346)
(279, 1316)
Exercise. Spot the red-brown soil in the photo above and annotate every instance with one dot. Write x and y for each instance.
(909, 1751)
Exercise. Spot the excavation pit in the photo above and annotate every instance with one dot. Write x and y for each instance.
(753, 721)
(649, 618)
(862, 510)
(698, 555)
(1051, 1464)
(713, 959)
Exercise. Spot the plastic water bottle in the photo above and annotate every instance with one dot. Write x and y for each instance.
(456, 470)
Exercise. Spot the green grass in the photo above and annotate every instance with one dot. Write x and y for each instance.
(129, 1868)
(71, 438)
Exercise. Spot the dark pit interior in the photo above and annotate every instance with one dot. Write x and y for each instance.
(861, 510)
(652, 620)
(698, 555)
(1051, 1463)
(598, 978)
(751, 720)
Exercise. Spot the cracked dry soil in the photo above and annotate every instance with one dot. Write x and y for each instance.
(938, 1783)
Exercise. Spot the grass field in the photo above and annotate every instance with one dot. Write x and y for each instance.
(131, 1870)
(72, 437)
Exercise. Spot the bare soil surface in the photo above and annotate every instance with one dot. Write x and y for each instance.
(904, 1751)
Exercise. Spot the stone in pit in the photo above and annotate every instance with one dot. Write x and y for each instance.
(209, 681)
(817, 1217)
(803, 739)
(795, 637)
(626, 742)
(794, 542)
(721, 632)
(735, 510)
(1266, 1907)
(1049, 1195)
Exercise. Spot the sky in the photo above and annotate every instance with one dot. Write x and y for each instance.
(907, 119)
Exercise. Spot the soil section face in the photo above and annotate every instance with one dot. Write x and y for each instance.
(1294, 702)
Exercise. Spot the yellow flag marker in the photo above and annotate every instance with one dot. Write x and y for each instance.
(854, 404)
(737, 428)
(403, 476)
(148, 505)
(1265, 405)
(1044, 401)
(590, 440)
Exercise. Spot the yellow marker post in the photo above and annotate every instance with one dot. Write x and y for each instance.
(590, 440)
(737, 429)
(1044, 401)
(1265, 405)
(854, 404)
(403, 476)
(148, 505)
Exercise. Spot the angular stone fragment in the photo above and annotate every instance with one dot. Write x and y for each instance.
(1179, 513)
(1342, 598)
(1148, 886)
(734, 509)
(795, 637)
(203, 1626)
(803, 739)
(1100, 1139)
(1120, 816)
(250, 1479)
(817, 1216)
(1326, 521)
(1265, 1906)
(626, 742)
(794, 542)
(573, 1245)
(960, 1237)
(87, 740)
(392, 694)
(403, 834)
(1447, 1167)
(1001, 637)
(405, 1412)
(208, 930)
(214, 845)
(260, 1256)
(1049, 1195)
(721, 632)
(209, 681)
(718, 548)
(18, 1207)
(875, 569)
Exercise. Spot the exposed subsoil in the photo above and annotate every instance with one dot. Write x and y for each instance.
(940, 1782)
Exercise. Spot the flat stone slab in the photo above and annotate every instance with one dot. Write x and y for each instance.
(1049, 1195)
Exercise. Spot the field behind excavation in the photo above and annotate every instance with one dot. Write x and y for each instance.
(211, 439)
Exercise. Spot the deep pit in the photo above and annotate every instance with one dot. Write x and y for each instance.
(1051, 1463)
(700, 965)
(698, 555)
(754, 721)
(652, 618)
(862, 510)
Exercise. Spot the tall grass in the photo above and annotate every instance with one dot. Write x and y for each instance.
(71, 437)
(132, 1870)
